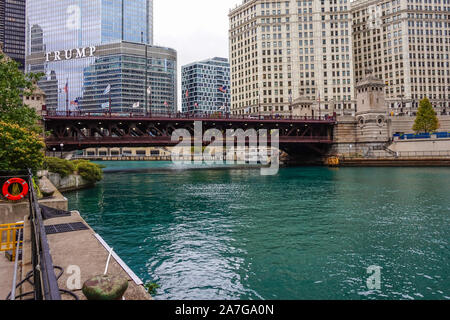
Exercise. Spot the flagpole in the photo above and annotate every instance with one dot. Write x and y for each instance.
(67, 96)
(110, 103)
(320, 108)
(150, 100)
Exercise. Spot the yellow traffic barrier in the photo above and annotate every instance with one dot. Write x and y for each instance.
(8, 237)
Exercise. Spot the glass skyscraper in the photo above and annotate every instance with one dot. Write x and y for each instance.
(206, 86)
(68, 24)
(86, 46)
(12, 29)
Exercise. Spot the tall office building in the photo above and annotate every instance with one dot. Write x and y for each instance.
(98, 54)
(282, 52)
(12, 29)
(206, 86)
(405, 43)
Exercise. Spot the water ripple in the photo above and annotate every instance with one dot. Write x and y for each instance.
(307, 233)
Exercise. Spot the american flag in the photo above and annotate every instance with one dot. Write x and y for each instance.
(66, 87)
(223, 89)
(107, 90)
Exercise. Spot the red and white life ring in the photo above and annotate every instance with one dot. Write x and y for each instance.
(8, 195)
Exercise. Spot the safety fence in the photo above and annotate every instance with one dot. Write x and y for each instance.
(9, 238)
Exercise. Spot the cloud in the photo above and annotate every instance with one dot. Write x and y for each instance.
(197, 29)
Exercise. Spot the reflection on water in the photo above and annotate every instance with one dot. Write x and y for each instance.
(307, 233)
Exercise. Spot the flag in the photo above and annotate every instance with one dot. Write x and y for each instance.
(107, 90)
(149, 90)
(196, 105)
(74, 103)
(66, 87)
(223, 89)
(165, 103)
(105, 105)
(187, 93)
(136, 105)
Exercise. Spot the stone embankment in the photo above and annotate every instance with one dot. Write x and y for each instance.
(63, 184)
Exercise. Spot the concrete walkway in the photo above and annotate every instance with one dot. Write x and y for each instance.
(81, 250)
(6, 276)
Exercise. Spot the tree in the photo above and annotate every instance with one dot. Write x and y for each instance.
(13, 86)
(20, 148)
(426, 120)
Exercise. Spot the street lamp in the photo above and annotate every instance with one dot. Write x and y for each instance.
(290, 105)
(54, 152)
(401, 106)
(259, 104)
(62, 148)
(149, 97)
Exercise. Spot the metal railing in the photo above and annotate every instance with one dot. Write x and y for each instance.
(186, 116)
(123, 156)
(398, 155)
(45, 282)
(424, 154)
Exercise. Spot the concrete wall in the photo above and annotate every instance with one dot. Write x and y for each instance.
(345, 130)
(348, 140)
(425, 145)
(69, 183)
(11, 212)
(405, 124)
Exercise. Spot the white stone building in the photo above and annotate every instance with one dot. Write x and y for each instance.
(405, 43)
(287, 51)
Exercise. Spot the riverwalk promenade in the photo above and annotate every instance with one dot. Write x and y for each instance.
(78, 254)
(6, 276)
(82, 251)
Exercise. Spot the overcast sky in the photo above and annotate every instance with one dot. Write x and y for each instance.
(197, 29)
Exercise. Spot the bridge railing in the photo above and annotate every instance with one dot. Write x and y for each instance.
(186, 116)
(162, 139)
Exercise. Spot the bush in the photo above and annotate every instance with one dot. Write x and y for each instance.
(89, 171)
(60, 166)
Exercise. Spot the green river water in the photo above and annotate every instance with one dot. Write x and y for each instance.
(306, 233)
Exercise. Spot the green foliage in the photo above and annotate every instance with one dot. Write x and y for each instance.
(426, 120)
(89, 171)
(60, 166)
(13, 86)
(38, 190)
(151, 287)
(20, 148)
